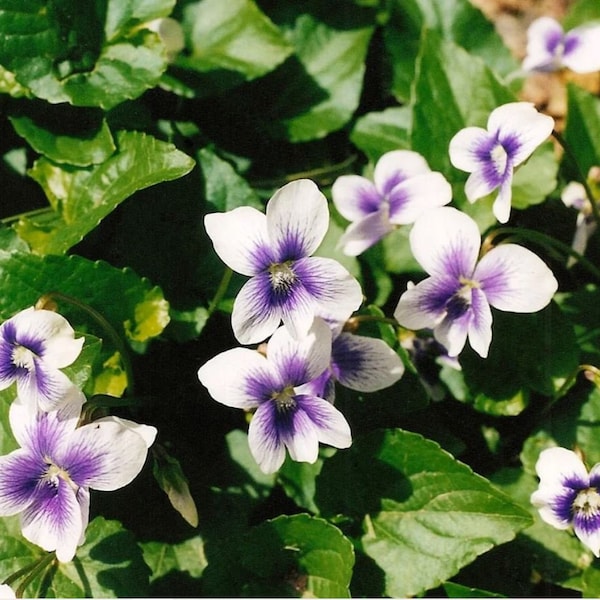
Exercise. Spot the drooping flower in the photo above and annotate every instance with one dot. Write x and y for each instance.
(286, 283)
(575, 196)
(569, 496)
(358, 362)
(455, 299)
(549, 48)
(171, 35)
(403, 187)
(287, 414)
(491, 155)
(34, 345)
(47, 480)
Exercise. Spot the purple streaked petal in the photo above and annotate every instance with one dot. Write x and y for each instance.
(446, 242)
(54, 521)
(411, 198)
(544, 37)
(480, 324)
(335, 291)
(20, 473)
(364, 364)
(452, 332)
(322, 386)
(587, 529)
(299, 433)
(103, 455)
(557, 467)
(424, 305)
(366, 232)
(298, 360)
(397, 166)
(240, 239)
(297, 220)
(582, 49)
(483, 182)
(255, 315)
(520, 128)
(502, 202)
(329, 423)
(264, 438)
(47, 388)
(464, 149)
(241, 378)
(515, 279)
(355, 197)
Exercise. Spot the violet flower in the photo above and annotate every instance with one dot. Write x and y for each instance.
(574, 195)
(47, 480)
(287, 414)
(455, 299)
(34, 346)
(286, 283)
(569, 496)
(491, 155)
(549, 48)
(403, 187)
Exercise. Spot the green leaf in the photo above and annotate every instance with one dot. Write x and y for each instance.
(379, 132)
(536, 179)
(83, 197)
(77, 137)
(457, 21)
(582, 131)
(455, 590)
(96, 284)
(290, 555)
(424, 515)
(233, 35)
(452, 90)
(58, 50)
(185, 557)
(125, 15)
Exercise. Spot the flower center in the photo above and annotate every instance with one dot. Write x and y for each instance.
(587, 502)
(285, 400)
(460, 302)
(22, 357)
(54, 473)
(499, 158)
(282, 277)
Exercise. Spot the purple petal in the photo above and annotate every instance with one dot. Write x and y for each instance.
(264, 438)
(366, 232)
(355, 197)
(46, 387)
(364, 364)
(514, 279)
(20, 475)
(297, 220)
(464, 149)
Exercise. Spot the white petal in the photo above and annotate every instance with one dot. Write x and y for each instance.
(104, 455)
(520, 123)
(539, 57)
(515, 279)
(366, 232)
(48, 388)
(574, 195)
(327, 421)
(240, 239)
(542, 499)
(446, 241)
(478, 185)
(232, 376)
(297, 219)
(419, 194)
(556, 464)
(415, 309)
(365, 364)
(254, 318)
(480, 326)
(396, 166)
(591, 539)
(146, 432)
(585, 56)
(302, 443)
(355, 197)
(502, 202)
(452, 334)
(299, 361)
(265, 444)
(6, 591)
(464, 147)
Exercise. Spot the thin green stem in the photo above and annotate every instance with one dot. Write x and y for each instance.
(220, 293)
(31, 213)
(114, 337)
(580, 175)
(41, 566)
(549, 242)
(570, 382)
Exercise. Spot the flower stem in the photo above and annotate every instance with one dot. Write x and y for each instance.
(29, 573)
(548, 242)
(223, 285)
(591, 372)
(580, 175)
(112, 334)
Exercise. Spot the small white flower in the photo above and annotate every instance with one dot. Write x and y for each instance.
(574, 195)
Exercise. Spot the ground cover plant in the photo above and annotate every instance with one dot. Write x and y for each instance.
(298, 299)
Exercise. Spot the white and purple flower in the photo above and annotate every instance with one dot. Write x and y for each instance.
(491, 155)
(455, 300)
(287, 283)
(569, 496)
(549, 48)
(358, 362)
(288, 415)
(34, 345)
(575, 196)
(403, 187)
(47, 480)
